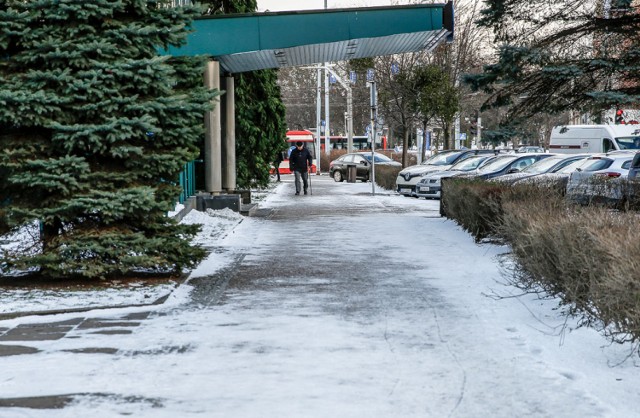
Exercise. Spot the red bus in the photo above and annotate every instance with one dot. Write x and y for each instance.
(360, 142)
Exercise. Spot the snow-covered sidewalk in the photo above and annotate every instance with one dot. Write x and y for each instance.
(339, 304)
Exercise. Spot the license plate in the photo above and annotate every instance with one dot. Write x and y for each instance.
(424, 189)
(408, 191)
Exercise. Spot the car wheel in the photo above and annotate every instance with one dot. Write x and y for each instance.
(337, 176)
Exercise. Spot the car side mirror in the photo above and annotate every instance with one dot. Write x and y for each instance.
(513, 170)
(364, 162)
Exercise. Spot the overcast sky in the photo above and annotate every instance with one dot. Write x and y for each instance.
(280, 5)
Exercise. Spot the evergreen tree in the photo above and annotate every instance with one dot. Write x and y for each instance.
(260, 113)
(438, 99)
(572, 54)
(94, 130)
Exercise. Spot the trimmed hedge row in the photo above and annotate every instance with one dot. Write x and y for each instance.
(588, 256)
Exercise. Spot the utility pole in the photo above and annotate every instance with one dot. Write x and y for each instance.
(327, 130)
(347, 87)
(318, 117)
(374, 109)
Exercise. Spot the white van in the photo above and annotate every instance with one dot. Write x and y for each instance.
(574, 139)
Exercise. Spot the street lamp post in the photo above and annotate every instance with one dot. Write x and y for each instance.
(372, 130)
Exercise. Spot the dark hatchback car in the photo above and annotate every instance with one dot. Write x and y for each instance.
(362, 161)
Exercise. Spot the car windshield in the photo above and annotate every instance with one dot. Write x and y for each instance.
(498, 164)
(443, 159)
(542, 166)
(380, 158)
(468, 164)
(595, 164)
(572, 167)
(629, 142)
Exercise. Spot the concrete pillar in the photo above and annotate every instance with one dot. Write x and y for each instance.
(229, 179)
(213, 134)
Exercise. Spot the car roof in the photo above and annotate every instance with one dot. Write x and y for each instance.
(612, 156)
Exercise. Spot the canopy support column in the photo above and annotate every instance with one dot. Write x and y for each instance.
(213, 134)
(229, 179)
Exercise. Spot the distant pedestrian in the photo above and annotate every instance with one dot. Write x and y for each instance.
(300, 162)
(277, 162)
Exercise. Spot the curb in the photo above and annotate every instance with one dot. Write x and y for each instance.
(159, 301)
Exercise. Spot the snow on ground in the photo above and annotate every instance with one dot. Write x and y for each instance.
(433, 332)
(215, 225)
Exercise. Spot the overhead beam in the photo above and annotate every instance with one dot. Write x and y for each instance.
(254, 41)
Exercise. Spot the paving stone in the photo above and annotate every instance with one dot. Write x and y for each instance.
(16, 350)
(138, 315)
(92, 323)
(42, 328)
(17, 335)
(113, 331)
(37, 402)
(94, 350)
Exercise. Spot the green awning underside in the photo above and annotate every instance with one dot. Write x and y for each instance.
(257, 41)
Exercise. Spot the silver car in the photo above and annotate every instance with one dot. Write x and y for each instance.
(601, 178)
(552, 164)
(409, 176)
(430, 185)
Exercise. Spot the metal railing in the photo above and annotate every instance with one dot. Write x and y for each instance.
(187, 181)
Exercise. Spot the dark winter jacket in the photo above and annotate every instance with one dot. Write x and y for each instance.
(298, 160)
(279, 158)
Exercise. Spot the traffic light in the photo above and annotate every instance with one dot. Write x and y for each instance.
(619, 117)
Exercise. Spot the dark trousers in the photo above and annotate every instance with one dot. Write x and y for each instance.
(302, 175)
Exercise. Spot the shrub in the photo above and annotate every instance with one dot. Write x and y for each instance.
(589, 256)
(386, 176)
(473, 204)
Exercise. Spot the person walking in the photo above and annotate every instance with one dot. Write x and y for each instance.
(277, 162)
(300, 162)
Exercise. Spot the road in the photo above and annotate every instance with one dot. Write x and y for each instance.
(336, 304)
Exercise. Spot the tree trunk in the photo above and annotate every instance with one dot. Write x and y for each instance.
(423, 151)
(405, 147)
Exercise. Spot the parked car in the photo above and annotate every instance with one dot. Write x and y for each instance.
(601, 178)
(558, 179)
(430, 185)
(634, 169)
(547, 165)
(506, 164)
(409, 177)
(362, 161)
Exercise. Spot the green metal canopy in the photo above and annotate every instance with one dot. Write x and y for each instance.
(247, 42)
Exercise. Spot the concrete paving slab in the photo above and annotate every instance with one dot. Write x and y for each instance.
(16, 350)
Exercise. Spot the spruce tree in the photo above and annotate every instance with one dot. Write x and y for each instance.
(553, 56)
(95, 127)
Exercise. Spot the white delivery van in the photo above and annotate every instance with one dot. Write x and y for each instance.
(574, 139)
